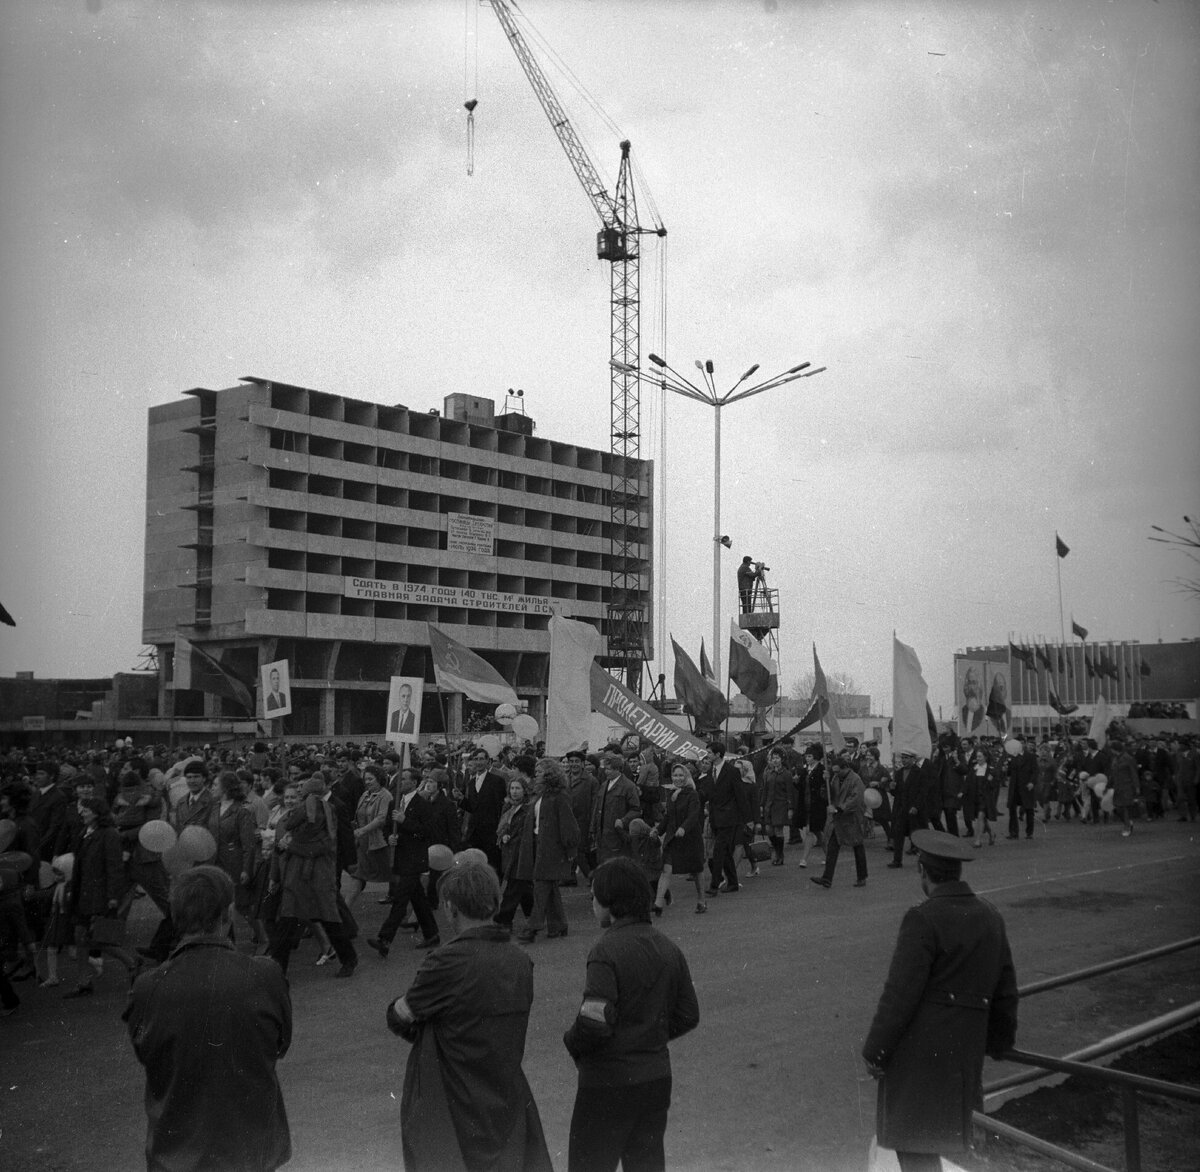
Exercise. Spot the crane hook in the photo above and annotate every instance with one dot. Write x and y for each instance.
(469, 105)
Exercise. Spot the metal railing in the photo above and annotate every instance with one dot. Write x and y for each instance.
(1129, 1085)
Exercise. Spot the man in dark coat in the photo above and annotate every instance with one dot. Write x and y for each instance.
(483, 800)
(730, 808)
(617, 804)
(914, 779)
(1022, 791)
(48, 807)
(581, 789)
(950, 998)
(411, 836)
(466, 1102)
(549, 841)
(209, 1026)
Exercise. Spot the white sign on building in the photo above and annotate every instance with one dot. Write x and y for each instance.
(468, 534)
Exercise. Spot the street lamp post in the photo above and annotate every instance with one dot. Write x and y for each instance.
(671, 380)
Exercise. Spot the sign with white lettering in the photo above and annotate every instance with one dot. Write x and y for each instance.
(428, 594)
(468, 534)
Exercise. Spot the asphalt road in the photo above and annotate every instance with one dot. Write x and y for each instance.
(787, 975)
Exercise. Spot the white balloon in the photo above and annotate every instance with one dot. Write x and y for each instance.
(505, 714)
(525, 727)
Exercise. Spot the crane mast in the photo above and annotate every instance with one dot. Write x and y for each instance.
(616, 243)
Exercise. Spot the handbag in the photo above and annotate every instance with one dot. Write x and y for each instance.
(108, 930)
(760, 850)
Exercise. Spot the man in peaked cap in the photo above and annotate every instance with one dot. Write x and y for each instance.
(949, 999)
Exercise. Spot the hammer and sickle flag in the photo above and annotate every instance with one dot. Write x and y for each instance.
(458, 669)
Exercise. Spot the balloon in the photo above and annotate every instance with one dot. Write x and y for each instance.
(471, 855)
(175, 860)
(1098, 785)
(157, 836)
(1014, 748)
(525, 726)
(1106, 802)
(8, 831)
(491, 743)
(16, 860)
(441, 857)
(196, 844)
(505, 714)
(873, 798)
(46, 876)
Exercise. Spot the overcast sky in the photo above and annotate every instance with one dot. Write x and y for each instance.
(982, 218)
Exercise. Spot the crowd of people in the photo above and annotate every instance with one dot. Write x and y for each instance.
(296, 835)
(293, 824)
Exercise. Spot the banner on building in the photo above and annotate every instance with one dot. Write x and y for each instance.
(429, 594)
(982, 692)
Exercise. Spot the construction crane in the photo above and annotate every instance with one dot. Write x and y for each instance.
(618, 243)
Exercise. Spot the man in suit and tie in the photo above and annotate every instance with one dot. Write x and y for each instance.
(730, 808)
(404, 719)
(412, 833)
(275, 698)
(482, 803)
(916, 781)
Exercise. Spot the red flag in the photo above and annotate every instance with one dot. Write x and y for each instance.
(194, 668)
(703, 700)
(459, 669)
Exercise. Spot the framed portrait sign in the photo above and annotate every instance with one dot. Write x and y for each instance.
(276, 689)
(404, 710)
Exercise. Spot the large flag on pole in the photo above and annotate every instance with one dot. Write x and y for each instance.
(751, 668)
(196, 669)
(458, 669)
(1077, 629)
(702, 699)
(821, 694)
(910, 703)
(573, 647)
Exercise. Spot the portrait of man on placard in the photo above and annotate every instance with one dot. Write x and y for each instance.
(277, 689)
(404, 709)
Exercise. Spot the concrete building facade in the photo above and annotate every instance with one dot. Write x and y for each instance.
(284, 523)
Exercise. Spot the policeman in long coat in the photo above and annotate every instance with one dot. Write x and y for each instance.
(950, 998)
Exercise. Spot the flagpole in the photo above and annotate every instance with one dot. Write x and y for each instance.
(171, 733)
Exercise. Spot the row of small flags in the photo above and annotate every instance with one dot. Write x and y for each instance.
(1100, 667)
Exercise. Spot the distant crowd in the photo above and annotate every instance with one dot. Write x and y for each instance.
(302, 831)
